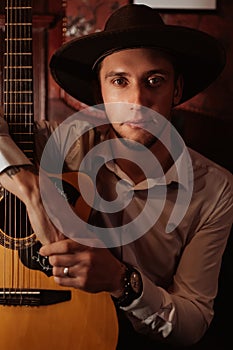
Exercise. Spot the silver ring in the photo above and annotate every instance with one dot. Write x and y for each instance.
(66, 271)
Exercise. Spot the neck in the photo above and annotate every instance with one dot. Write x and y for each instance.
(133, 162)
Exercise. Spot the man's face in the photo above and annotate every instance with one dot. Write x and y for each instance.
(139, 77)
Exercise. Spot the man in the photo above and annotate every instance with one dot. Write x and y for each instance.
(164, 276)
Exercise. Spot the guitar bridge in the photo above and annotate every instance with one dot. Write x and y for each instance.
(33, 297)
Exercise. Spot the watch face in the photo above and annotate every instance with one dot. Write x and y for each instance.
(135, 281)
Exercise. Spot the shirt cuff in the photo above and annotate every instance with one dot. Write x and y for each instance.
(153, 310)
(148, 303)
(10, 154)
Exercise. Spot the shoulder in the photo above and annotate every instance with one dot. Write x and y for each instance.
(213, 176)
(69, 128)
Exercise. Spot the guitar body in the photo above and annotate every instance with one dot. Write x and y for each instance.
(86, 322)
(35, 312)
(73, 320)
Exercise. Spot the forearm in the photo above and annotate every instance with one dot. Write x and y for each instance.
(23, 182)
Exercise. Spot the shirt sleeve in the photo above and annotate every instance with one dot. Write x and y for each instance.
(182, 313)
(10, 153)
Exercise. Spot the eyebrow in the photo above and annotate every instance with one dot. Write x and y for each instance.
(115, 74)
(124, 74)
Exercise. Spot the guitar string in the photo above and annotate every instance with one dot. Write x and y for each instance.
(11, 117)
(5, 112)
(28, 97)
(10, 104)
(18, 101)
(18, 49)
(14, 108)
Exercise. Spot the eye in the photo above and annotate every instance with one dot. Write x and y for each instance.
(119, 81)
(154, 81)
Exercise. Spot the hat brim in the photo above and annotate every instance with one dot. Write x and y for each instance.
(201, 57)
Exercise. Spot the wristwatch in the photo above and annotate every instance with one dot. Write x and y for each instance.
(132, 287)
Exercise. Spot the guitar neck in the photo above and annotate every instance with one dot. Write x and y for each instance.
(18, 73)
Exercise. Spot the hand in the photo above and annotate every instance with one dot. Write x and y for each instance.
(90, 269)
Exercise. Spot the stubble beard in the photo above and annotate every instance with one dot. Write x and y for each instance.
(134, 144)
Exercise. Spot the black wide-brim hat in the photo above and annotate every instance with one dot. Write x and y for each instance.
(201, 57)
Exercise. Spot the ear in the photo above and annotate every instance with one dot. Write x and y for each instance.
(178, 90)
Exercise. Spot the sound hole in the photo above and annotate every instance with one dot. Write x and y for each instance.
(15, 230)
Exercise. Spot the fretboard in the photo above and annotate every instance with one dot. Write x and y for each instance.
(18, 73)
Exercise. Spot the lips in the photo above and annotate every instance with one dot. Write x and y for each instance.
(140, 125)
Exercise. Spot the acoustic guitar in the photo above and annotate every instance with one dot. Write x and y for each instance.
(36, 313)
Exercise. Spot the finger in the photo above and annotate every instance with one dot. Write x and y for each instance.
(68, 282)
(63, 272)
(64, 260)
(60, 247)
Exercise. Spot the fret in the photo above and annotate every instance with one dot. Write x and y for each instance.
(18, 7)
(17, 109)
(12, 54)
(18, 92)
(17, 80)
(21, 103)
(17, 67)
(18, 99)
(16, 124)
(20, 114)
(18, 24)
(18, 74)
(18, 53)
(13, 68)
(19, 39)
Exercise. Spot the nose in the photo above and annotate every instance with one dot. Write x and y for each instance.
(139, 96)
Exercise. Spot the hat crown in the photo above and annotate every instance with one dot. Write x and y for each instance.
(133, 16)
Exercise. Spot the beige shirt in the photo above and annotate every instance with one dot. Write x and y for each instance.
(179, 269)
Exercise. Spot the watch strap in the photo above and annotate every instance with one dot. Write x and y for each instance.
(129, 294)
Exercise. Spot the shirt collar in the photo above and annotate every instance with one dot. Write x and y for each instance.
(178, 173)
